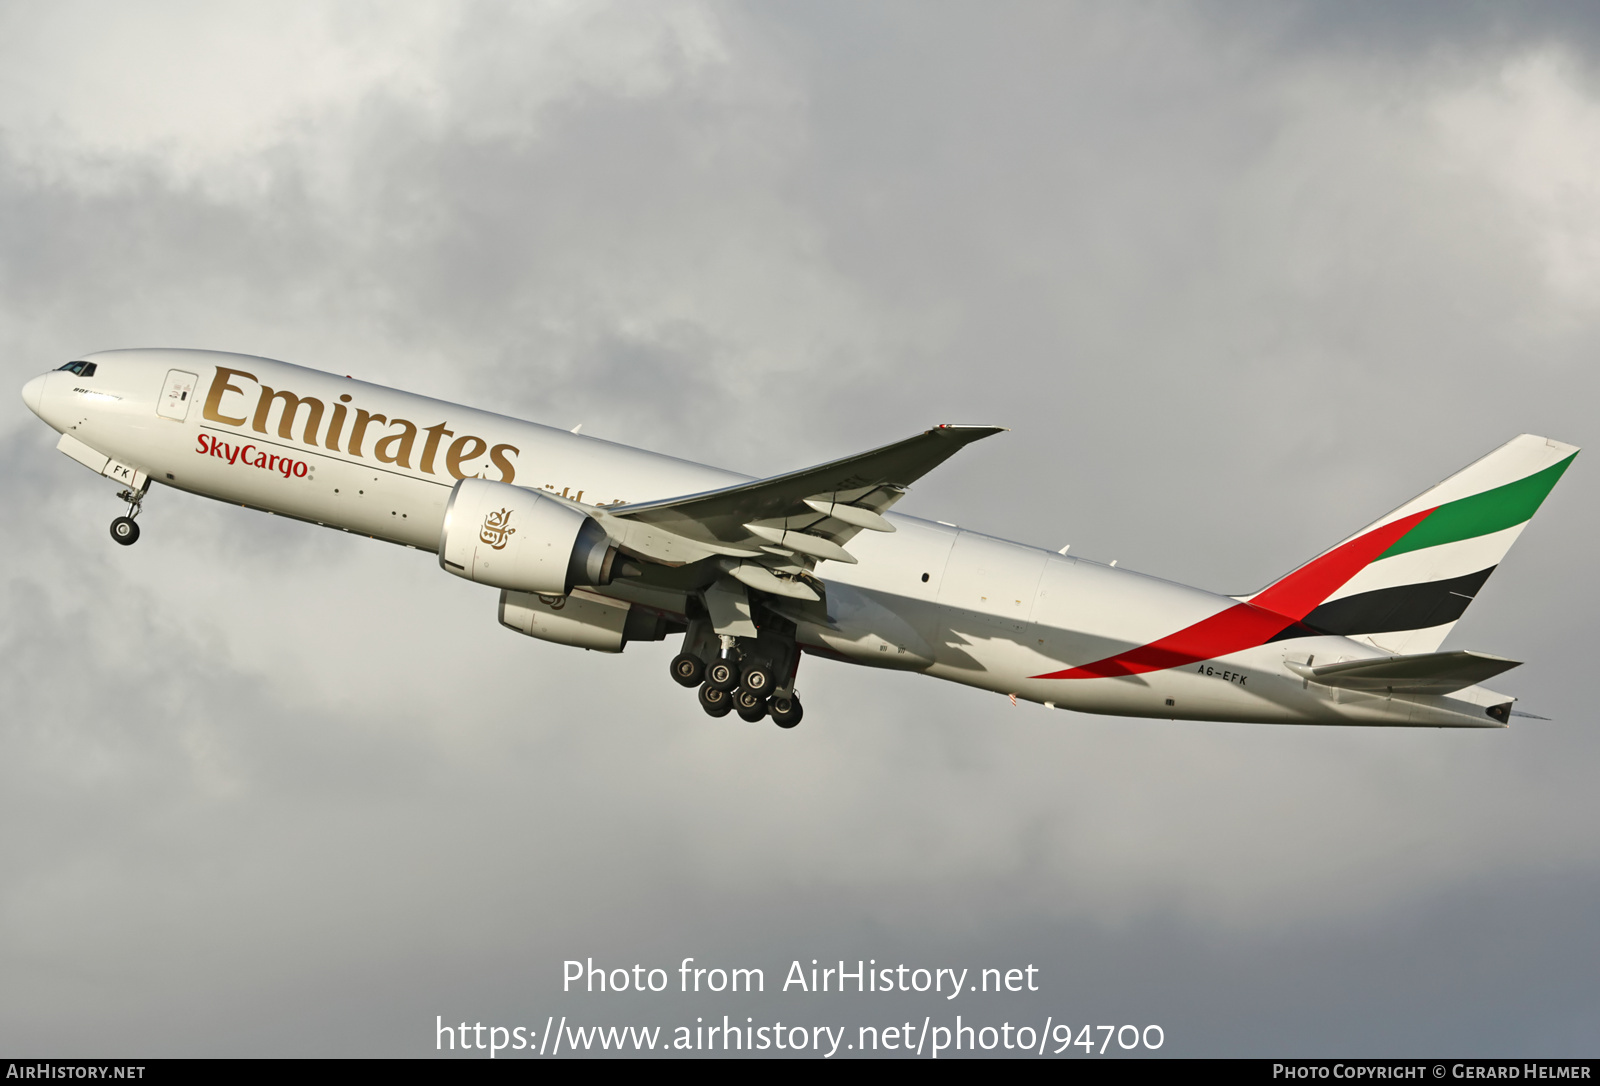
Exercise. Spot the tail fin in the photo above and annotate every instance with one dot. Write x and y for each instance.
(1401, 583)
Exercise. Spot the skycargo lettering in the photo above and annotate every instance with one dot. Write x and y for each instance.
(250, 456)
(396, 446)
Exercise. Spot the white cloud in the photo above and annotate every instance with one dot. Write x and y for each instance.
(204, 93)
(1532, 131)
(1236, 303)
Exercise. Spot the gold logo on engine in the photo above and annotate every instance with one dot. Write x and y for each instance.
(495, 531)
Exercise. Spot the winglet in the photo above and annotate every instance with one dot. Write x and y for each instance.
(956, 428)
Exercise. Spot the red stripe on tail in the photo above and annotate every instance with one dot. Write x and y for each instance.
(1247, 625)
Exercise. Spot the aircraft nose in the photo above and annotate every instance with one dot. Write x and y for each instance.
(33, 393)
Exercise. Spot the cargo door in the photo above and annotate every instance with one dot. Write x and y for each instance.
(176, 394)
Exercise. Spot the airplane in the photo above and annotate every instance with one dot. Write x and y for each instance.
(598, 545)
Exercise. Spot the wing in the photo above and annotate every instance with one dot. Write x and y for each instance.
(773, 531)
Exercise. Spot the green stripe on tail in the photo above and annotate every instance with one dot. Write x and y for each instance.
(1492, 511)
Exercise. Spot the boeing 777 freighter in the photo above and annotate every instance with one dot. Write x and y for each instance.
(596, 545)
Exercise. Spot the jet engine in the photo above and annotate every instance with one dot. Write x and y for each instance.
(586, 620)
(509, 537)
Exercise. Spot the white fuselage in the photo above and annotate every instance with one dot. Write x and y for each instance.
(951, 603)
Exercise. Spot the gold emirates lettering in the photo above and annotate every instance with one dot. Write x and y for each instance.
(393, 447)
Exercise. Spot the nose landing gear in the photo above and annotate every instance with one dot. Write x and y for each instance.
(124, 529)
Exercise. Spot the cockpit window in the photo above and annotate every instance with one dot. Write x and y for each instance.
(82, 369)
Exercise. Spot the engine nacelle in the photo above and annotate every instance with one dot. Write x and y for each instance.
(586, 620)
(509, 537)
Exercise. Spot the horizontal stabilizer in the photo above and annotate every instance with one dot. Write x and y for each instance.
(1423, 673)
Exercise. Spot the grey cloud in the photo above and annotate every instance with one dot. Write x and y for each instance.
(270, 790)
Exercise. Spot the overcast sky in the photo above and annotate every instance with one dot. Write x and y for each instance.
(1240, 278)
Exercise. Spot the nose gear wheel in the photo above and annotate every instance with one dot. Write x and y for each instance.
(125, 531)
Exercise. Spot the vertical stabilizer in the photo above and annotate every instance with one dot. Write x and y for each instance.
(1416, 569)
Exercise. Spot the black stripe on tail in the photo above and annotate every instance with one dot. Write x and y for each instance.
(1404, 607)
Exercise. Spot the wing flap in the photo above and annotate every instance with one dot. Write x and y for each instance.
(850, 513)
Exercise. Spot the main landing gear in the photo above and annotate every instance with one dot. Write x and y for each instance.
(740, 682)
(785, 710)
(125, 530)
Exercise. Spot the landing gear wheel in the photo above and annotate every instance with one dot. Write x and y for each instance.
(786, 710)
(749, 705)
(125, 531)
(714, 701)
(722, 675)
(757, 679)
(688, 670)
